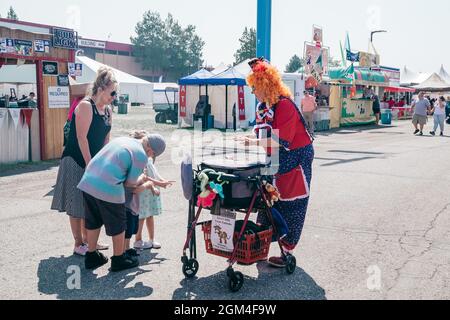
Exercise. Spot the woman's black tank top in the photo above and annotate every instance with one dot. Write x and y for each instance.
(98, 131)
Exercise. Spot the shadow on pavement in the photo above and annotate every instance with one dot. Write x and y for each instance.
(8, 170)
(271, 284)
(351, 130)
(54, 275)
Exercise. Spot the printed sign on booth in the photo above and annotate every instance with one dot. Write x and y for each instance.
(241, 97)
(58, 97)
(183, 101)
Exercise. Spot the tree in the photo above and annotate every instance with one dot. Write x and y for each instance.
(295, 64)
(12, 14)
(166, 47)
(248, 46)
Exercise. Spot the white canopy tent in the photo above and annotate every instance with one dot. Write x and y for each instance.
(434, 84)
(411, 78)
(139, 91)
(444, 74)
(408, 77)
(220, 68)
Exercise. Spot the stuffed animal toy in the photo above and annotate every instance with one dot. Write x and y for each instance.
(217, 189)
(208, 200)
(207, 196)
(274, 194)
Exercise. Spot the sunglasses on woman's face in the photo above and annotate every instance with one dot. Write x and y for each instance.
(114, 94)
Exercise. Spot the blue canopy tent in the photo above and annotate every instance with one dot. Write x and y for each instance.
(230, 77)
(197, 78)
(220, 82)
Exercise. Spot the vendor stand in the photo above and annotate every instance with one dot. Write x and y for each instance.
(351, 94)
(50, 50)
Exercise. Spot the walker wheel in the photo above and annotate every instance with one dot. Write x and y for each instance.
(190, 268)
(291, 264)
(236, 281)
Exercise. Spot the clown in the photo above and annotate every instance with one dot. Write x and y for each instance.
(288, 135)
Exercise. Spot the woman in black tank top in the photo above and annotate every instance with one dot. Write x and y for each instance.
(97, 135)
(89, 131)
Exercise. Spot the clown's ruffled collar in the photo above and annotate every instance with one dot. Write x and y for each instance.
(264, 118)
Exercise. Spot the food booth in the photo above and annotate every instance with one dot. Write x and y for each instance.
(33, 130)
(351, 92)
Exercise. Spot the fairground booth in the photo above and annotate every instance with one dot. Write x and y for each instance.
(34, 89)
(352, 90)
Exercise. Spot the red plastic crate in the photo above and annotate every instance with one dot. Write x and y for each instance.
(249, 250)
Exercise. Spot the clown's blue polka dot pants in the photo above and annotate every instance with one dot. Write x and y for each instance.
(294, 212)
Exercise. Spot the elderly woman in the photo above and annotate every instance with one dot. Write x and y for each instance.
(289, 135)
(90, 131)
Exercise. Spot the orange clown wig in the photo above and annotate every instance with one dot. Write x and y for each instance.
(267, 79)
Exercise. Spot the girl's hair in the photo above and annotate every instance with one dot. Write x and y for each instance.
(139, 134)
(442, 98)
(105, 78)
(267, 79)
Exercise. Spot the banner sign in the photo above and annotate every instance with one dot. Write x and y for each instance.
(23, 47)
(183, 101)
(318, 35)
(7, 45)
(15, 115)
(50, 68)
(66, 39)
(63, 81)
(42, 46)
(3, 116)
(368, 59)
(314, 61)
(91, 44)
(241, 98)
(75, 69)
(58, 97)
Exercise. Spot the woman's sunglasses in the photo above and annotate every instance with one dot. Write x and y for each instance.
(114, 94)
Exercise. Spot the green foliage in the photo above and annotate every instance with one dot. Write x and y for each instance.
(12, 14)
(295, 64)
(248, 46)
(165, 47)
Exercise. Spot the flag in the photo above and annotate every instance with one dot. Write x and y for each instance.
(347, 43)
(343, 58)
(353, 57)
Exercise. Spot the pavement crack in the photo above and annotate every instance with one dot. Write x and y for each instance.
(417, 256)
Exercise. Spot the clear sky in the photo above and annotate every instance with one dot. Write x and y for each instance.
(417, 34)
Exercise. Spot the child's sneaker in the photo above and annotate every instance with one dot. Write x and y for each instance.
(155, 245)
(81, 250)
(123, 263)
(132, 253)
(141, 245)
(94, 260)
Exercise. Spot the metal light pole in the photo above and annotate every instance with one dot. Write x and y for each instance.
(373, 32)
(263, 31)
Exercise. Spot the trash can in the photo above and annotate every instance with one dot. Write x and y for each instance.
(210, 122)
(123, 108)
(386, 116)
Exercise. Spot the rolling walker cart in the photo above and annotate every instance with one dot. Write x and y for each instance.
(244, 192)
